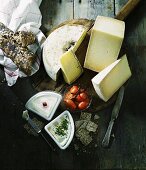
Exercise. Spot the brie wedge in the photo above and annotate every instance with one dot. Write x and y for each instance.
(67, 37)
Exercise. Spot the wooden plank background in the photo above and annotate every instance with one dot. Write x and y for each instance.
(56, 11)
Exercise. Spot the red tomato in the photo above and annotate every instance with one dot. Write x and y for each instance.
(69, 95)
(74, 89)
(69, 103)
(87, 100)
(78, 98)
(83, 95)
(83, 105)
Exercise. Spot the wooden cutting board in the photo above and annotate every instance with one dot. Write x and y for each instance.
(45, 83)
(85, 80)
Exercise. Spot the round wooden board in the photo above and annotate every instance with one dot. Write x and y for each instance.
(48, 84)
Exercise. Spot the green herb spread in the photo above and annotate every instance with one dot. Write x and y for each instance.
(62, 128)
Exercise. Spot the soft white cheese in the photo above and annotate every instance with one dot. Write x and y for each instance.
(67, 36)
(44, 103)
(62, 140)
(39, 103)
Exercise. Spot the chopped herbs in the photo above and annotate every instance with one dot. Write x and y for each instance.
(62, 128)
(64, 124)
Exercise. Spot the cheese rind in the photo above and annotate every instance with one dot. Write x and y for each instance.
(78, 43)
(70, 67)
(105, 42)
(109, 80)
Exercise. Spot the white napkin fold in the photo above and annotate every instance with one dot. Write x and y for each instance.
(20, 15)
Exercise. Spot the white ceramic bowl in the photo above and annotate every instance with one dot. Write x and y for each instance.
(62, 141)
(44, 104)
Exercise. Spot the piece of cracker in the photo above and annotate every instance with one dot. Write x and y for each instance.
(78, 123)
(85, 116)
(96, 117)
(81, 133)
(86, 140)
(91, 126)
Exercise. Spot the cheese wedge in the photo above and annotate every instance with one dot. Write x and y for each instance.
(105, 43)
(109, 80)
(70, 67)
(67, 37)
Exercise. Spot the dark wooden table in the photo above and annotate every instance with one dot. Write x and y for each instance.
(20, 150)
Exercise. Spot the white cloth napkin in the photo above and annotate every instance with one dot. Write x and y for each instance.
(20, 15)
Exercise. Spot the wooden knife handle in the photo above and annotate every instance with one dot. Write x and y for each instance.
(127, 8)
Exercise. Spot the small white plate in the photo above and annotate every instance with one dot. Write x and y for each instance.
(44, 104)
(62, 141)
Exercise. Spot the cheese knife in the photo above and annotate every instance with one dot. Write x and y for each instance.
(25, 115)
(114, 116)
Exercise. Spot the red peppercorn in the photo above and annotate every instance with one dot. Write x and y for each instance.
(45, 104)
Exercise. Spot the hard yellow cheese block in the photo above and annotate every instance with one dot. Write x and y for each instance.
(109, 80)
(70, 67)
(105, 43)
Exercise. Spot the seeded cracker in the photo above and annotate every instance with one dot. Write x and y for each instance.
(81, 133)
(85, 128)
(83, 136)
(85, 116)
(84, 124)
(91, 126)
(78, 123)
(24, 38)
(14, 47)
(96, 117)
(86, 140)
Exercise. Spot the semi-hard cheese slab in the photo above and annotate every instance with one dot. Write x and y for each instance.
(105, 43)
(109, 80)
(70, 67)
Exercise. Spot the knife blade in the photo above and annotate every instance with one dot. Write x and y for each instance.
(38, 130)
(114, 116)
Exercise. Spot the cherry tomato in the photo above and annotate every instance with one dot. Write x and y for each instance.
(83, 105)
(69, 95)
(78, 98)
(83, 95)
(69, 103)
(74, 89)
(87, 101)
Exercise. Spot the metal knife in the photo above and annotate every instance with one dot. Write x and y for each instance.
(114, 115)
(25, 115)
